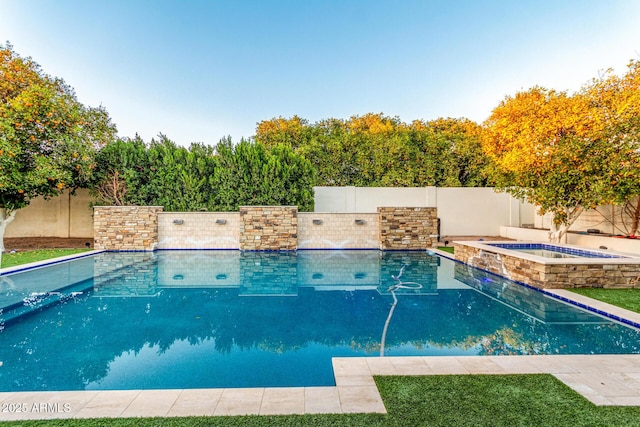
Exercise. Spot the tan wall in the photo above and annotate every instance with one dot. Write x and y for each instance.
(338, 231)
(607, 219)
(463, 211)
(199, 230)
(62, 216)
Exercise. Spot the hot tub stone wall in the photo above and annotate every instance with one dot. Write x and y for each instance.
(408, 228)
(126, 228)
(551, 276)
(268, 228)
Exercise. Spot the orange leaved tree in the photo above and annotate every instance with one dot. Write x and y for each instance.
(550, 149)
(617, 100)
(47, 138)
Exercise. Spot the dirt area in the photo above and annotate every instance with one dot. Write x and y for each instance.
(29, 243)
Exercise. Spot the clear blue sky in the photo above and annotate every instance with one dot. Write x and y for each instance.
(197, 70)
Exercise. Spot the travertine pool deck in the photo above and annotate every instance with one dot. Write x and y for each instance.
(602, 379)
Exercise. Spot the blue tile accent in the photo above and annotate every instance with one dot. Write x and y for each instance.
(560, 249)
(564, 299)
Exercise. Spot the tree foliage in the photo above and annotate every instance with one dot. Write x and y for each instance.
(47, 138)
(201, 177)
(617, 99)
(377, 150)
(250, 174)
(567, 153)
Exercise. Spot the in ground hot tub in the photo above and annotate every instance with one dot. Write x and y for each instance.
(546, 265)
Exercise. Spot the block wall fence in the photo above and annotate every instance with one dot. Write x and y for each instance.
(263, 228)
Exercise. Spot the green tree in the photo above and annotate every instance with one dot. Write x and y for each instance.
(122, 173)
(376, 150)
(249, 174)
(131, 173)
(291, 132)
(47, 138)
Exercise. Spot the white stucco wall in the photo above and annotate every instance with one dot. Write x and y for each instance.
(462, 210)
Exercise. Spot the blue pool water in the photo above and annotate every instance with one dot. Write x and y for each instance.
(552, 251)
(202, 319)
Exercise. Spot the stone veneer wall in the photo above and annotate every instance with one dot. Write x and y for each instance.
(338, 231)
(263, 228)
(551, 276)
(199, 230)
(126, 228)
(268, 228)
(408, 228)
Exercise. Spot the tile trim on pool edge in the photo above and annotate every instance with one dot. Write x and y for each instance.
(553, 295)
(33, 265)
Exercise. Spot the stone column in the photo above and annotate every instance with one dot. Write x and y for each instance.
(268, 228)
(126, 228)
(408, 228)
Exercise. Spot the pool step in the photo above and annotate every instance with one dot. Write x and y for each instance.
(42, 300)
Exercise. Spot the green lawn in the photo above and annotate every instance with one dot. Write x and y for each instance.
(446, 249)
(625, 298)
(18, 258)
(439, 400)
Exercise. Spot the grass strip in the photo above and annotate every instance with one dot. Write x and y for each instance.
(625, 298)
(437, 400)
(18, 258)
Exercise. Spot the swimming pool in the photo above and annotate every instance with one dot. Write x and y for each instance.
(207, 319)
